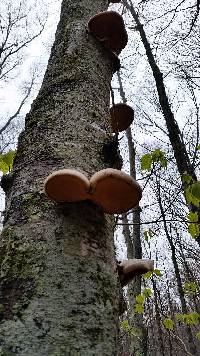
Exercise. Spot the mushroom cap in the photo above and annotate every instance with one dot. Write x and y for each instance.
(115, 191)
(115, 1)
(122, 116)
(130, 268)
(67, 185)
(108, 27)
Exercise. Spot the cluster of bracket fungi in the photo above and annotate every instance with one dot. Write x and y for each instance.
(115, 191)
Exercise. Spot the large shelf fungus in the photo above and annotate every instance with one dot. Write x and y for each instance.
(108, 27)
(116, 192)
(122, 116)
(67, 185)
(129, 269)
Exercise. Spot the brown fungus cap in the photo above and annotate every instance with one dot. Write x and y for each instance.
(130, 268)
(122, 116)
(108, 27)
(115, 191)
(67, 185)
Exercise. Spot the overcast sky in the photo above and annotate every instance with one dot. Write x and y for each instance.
(37, 53)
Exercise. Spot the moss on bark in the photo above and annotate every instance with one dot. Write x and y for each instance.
(59, 286)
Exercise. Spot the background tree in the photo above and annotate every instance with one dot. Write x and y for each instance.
(20, 25)
(183, 162)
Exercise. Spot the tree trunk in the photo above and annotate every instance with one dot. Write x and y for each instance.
(134, 249)
(159, 332)
(190, 338)
(180, 152)
(59, 286)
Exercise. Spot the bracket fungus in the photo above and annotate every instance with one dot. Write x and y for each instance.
(122, 116)
(115, 191)
(67, 185)
(108, 27)
(130, 268)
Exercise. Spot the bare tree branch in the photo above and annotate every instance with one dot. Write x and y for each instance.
(19, 108)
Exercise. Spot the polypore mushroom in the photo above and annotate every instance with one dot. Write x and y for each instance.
(108, 27)
(122, 116)
(67, 185)
(129, 269)
(115, 191)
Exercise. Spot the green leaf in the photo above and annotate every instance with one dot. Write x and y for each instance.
(192, 319)
(193, 217)
(188, 195)
(195, 201)
(168, 324)
(3, 166)
(147, 292)
(125, 325)
(157, 272)
(148, 234)
(163, 162)
(190, 287)
(186, 178)
(146, 162)
(6, 161)
(8, 158)
(131, 330)
(198, 335)
(140, 299)
(159, 156)
(156, 154)
(193, 229)
(195, 190)
(139, 309)
(190, 198)
(188, 319)
(198, 148)
(147, 275)
(180, 317)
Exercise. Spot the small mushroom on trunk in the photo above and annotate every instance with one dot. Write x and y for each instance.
(122, 116)
(115, 191)
(129, 269)
(108, 27)
(67, 185)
